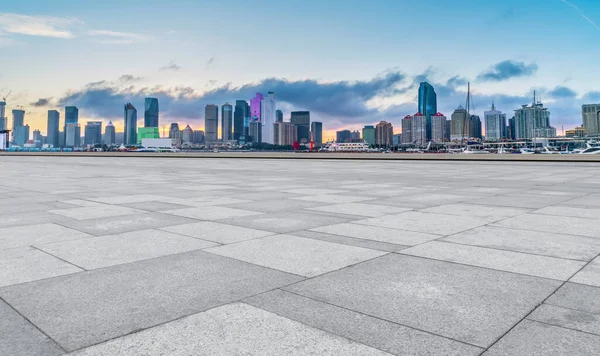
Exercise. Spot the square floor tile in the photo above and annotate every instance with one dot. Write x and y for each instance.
(26, 264)
(334, 199)
(90, 307)
(590, 275)
(590, 213)
(468, 304)
(211, 213)
(221, 233)
(285, 222)
(567, 318)
(293, 254)
(375, 233)
(19, 236)
(577, 296)
(132, 246)
(474, 210)
(155, 206)
(94, 212)
(360, 209)
(553, 224)
(234, 329)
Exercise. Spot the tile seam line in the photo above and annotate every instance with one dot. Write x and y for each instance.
(574, 309)
(537, 306)
(563, 327)
(371, 316)
(58, 258)
(392, 245)
(32, 324)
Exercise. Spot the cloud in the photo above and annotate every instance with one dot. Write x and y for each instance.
(210, 62)
(125, 78)
(41, 102)
(562, 92)
(507, 69)
(582, 14)
(114, 37)
(171, 66)
(592, 97)
(45, 26)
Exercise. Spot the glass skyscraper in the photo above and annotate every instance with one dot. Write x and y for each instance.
(302, 120)
(53, 131)
(130, 134)
(151, 112)
(242, 111)
(226, 122)
(427, 104)
(211, 123)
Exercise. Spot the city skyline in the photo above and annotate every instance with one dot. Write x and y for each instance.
(377, 83)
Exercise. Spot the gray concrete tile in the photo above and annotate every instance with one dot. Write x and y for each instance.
(316, 191)
(126, 198)
(20, 338)
(516, 262)
(121, 224)
(26, 264)
(19, 236)
(31, 218)
(439, 224)
(540, 243)
(211, 213)
(531, 338)
(285, 222)
(154, 206)
(553, 224)
(235, 329)
(475, 210)
(86, 308)
(220, 233)
(376, 233)
(468, 304)
(383, 335)
(128, 247)
(94, 212)
(350, 241)
(590, 275)
(297, 255)
(276, 206)
(577, 296)
(532, 201)
(334, 199)
(590, 213)
(567, 318)
(360, 209)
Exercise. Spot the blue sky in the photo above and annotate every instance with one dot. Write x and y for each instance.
(349, 62)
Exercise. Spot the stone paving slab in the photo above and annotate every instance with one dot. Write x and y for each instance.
(376, 233)
(20, 236)
(553, 224)
(284, 222)
(220, 233)
(590, 275)
(567, 318)
(577, 296)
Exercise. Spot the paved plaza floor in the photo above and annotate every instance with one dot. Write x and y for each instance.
(175, 256)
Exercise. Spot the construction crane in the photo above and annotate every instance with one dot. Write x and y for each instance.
(6, 96)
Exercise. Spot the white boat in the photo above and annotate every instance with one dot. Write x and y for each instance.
(592, 150)
(475, 150)
(527, 151)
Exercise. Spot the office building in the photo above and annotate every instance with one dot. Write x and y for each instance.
(255, 106)
(226, 122)
(368, 134)
(475, 123)
(285, 133)
(495, 124)
(406, 130)
(316, 131)
(591, 118)
(187, 135)
(427, 105)
(255, 131)
(174, 130)
(533, 121)
(511, 129)
(3, 119)
(93, 133)
(71, 117)
(438, 127)
(384, 132)
(147, 132)
(21, 135)
(130, 132)
(38, 139)
(447, 130)
(241, 112)
(302, 120)
(72, 135)
(343, 136)
(578, 132)
(278, 116)
(17, 130)
(268, 117)
(211, 123)
(52, 129)
(151, 112)
(418, 129)
(460, 124)
(198, 136)
(109, 134)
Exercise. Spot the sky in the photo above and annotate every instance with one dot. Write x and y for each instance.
(351, 63)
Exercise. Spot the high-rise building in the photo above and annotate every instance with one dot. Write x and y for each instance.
(130, 133)
(475, 127)
(268, 117)
(21, 135)
(18, 118)
(495, 124)
(368, 134)
(227, 122)
(406, 129)
(316, 130)
(384, 134)
(93, 132)
(343, 136)
(427, 104)
(72, 135)
(151, 112)
(211, 123)
(3, 124)
(278, 116)
(447, 130)
(52, 136)
(37, 137)
(174, 130)
(147, 132)
(285, 133)
(187, 135)
(533, 121)
(71, 117)
(255, 106)
(109, 134)
(302, 120)
(512, 135)
(438, 127)
(198, 136)
(255, 131)
(3, 119)
(242, 111)
(18, 131)
(591, 118)
(460, 125)
(418, 129)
